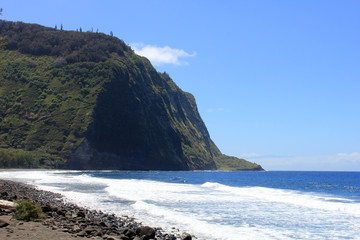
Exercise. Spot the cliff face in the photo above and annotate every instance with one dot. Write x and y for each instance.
(142, 120)
(94, 105)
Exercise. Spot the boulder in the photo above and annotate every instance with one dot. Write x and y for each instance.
(47, 208)
(186, 236)
(129, 233)
(7, 204)
(146, 232)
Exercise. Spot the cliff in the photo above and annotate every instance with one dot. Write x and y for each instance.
(87, 101)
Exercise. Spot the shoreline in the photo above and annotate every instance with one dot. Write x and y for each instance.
(70, 220)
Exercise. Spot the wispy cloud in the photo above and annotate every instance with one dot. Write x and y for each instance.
(161, 55)
(336, 162)
(353, 157)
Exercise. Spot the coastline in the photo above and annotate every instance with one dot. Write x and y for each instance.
(68, 221)
(216, 205)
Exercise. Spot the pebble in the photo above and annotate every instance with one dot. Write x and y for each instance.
(79, 221)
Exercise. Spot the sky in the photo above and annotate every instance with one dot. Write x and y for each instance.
(276, 82)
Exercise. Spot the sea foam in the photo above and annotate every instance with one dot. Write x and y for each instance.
(210, 210)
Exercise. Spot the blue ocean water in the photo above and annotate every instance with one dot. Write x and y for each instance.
(343, 184)
(218, 204)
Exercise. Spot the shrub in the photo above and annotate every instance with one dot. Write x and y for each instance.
(26, 210)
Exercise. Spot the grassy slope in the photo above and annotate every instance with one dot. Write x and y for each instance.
(224, 162)
(45, 107)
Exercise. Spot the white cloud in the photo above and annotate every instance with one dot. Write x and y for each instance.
(161, 55)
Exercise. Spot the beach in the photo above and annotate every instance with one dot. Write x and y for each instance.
(67, 221)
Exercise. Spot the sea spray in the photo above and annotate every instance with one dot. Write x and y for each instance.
(216, 205)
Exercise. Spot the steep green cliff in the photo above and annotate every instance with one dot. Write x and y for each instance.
(87, 101)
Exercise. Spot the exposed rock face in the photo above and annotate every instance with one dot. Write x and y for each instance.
(142, 122)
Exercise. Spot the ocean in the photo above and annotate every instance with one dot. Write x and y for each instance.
(217, 204)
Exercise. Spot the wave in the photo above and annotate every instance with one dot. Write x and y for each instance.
(137, 190)
(293, 197)
(210, 210)
(206, 230)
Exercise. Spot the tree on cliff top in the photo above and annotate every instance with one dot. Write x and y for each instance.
(2, 40)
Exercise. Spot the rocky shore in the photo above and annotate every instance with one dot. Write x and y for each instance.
(68, 221)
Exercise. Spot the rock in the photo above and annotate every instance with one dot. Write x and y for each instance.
(170, 237)
(99, 233)
(4, 194)
(68, 214)
(81, 234)
(3, 223)
(47, 208)
(129, 233)
(186, 236)
(61, 212)
(89, 230)
(123, 237)
(7, 204)
(103, 224)
(93, 224)
(6, 211)
(76, 228)
(110, 238)
(81, 214)
(145, 231)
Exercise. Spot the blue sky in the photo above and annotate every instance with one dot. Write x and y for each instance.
(276, 82)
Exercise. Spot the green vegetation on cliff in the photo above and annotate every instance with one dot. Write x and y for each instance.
(45, 107)
(87, 101)
(224, 162)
